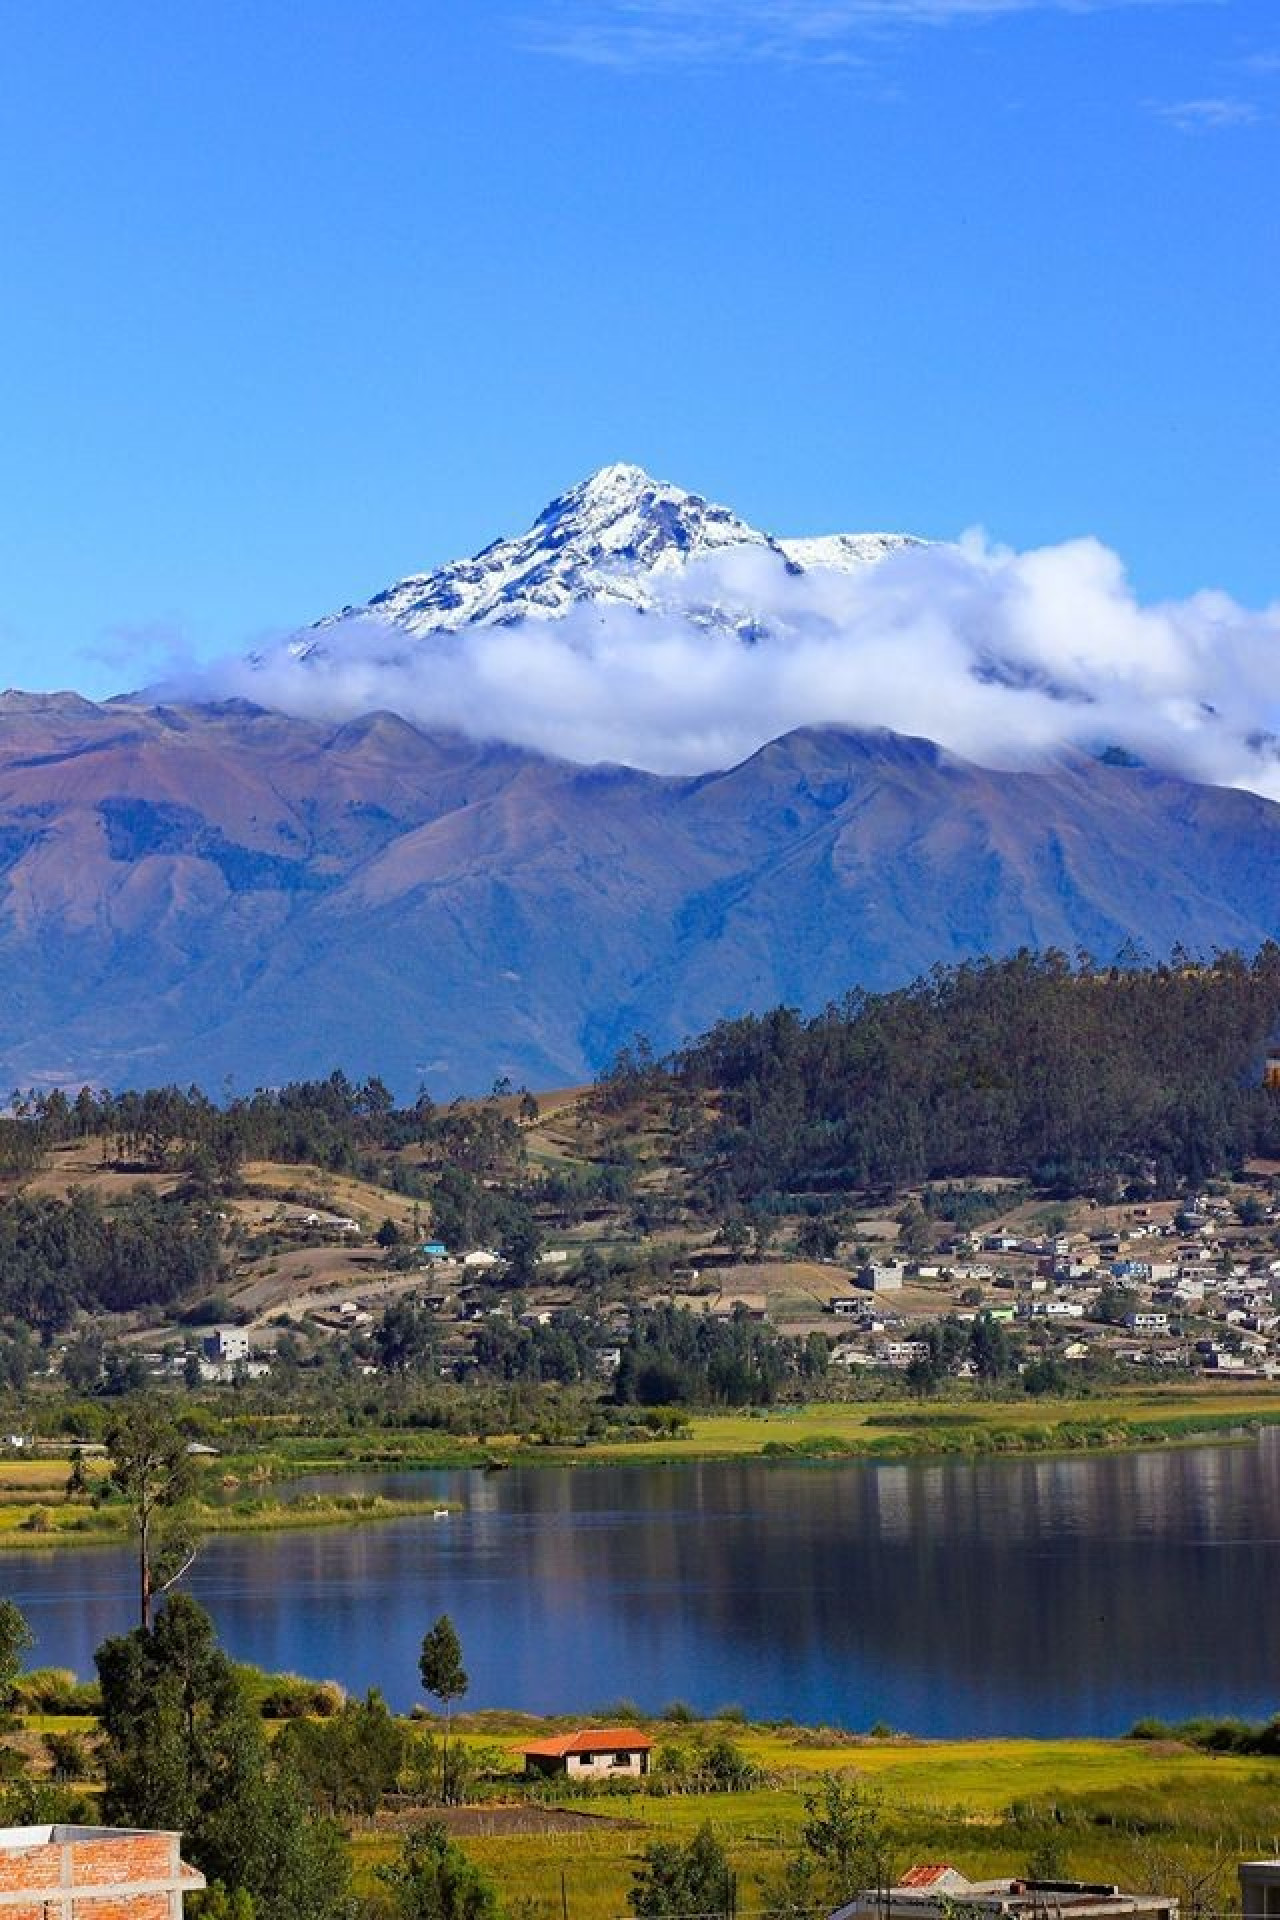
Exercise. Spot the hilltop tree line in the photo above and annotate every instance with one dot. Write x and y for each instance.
(1059, 1071)
(1072, 1077)
(327, 1123)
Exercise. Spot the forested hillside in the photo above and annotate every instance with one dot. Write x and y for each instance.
(1032, 1066)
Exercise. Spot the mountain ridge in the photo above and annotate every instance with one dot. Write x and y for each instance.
(191, 892)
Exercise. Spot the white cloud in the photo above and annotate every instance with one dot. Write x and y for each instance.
(648, 33)
(1004, 657)
(1210, 113)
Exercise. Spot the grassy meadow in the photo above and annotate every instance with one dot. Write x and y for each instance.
(35, 1511)
(1141, 1813)
(893, 1428)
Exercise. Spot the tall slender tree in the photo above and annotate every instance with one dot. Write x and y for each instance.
(444, 1677)
(151, 1468)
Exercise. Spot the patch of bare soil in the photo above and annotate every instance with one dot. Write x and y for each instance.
(495, 1821)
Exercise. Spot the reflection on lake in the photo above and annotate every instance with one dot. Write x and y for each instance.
(1025, 1596)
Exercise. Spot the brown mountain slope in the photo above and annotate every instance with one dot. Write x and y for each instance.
(222, 891)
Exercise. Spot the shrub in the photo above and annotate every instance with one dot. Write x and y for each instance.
(293, 1698)
(68, 1755)
(349, 1763)
(57, 1690)
(678, 1712)
(435, 1878)
(727, 1768)
(673, 1881)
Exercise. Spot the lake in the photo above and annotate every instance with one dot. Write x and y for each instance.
(1022, 1596)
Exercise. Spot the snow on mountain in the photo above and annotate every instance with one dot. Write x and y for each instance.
(845, 552)
(619, 537)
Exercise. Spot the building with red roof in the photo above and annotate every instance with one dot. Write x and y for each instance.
(592, 1753)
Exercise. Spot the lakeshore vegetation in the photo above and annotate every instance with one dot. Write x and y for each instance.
(65, 1497)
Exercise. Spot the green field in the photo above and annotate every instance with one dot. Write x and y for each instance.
(881, 1428)
(27, 1524)
(1139, 1416)
(1147, 1814)
(1138, 1813)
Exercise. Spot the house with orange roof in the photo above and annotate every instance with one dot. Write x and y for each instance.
(592, 1753)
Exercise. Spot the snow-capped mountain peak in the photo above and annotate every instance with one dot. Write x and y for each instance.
(621, 515)
(616, 538)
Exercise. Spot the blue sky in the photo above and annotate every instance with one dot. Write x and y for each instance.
(300, 298)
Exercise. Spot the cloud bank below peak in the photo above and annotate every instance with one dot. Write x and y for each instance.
(1006, 658)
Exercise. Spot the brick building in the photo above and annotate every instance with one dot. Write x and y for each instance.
(92, 1873)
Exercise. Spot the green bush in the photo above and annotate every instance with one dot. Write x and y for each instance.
(68, 1755)
(291, 1697)
(57, 1690)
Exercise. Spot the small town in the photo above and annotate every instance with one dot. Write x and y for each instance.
(1188, 1285)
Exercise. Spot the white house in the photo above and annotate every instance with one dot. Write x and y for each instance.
(226, 1344)
(593, 1753)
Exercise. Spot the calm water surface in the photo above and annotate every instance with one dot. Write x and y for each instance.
(1020, 1596)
